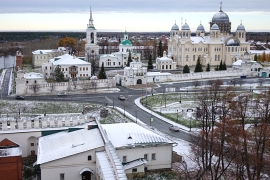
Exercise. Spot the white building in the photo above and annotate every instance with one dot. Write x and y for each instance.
(42, 56)
(120, 58)
(219, 45)
(165, 63)
(71, 66)
(103, 152)
(134, 74)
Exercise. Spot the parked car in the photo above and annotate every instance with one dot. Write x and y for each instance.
(121, 97)
(174, 128)
(62, 94)
(20, 97)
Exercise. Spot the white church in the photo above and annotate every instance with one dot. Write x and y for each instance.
(219, 45)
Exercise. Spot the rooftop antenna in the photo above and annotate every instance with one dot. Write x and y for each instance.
(220, 7)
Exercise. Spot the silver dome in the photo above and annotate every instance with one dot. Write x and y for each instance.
(175, 27)
(185, 27)
(200, 28)
(215, 27)
(232, 42)
(241, 27)
(220, 17)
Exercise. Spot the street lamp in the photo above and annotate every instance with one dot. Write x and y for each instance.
(136, 116)
(177, 115)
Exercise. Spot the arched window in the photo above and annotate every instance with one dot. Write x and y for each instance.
(215, 57)
(194, 58)
(89, 158)
(218, 57)
(186, 57)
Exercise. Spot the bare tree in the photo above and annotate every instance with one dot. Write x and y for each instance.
(51, 87)
(35, 87)
(74, 85)
(94, 84)
(94, 60)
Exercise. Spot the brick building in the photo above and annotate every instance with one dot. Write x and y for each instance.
(10, 160)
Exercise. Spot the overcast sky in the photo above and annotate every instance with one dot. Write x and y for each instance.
(135, 15)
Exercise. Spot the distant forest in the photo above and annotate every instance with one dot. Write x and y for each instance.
(39, 36)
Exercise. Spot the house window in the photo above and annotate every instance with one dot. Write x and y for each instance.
(119, 63)
(89, 158)
(86, 74)
(50, 67)
(32, 144)
(62, 176)
(145, 156)
(153, 156)
(66, 69)
(80, 68)
(134, 170)
(86, 68)
(46, 67)
(124, 159)
(83, 75)
(170, 66)
(114, 63)
(62, 69)
(194, 57)
(80, 75)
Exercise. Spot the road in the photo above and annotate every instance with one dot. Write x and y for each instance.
(129, 106)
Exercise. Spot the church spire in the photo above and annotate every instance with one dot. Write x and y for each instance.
(91, 24)
(220, 7)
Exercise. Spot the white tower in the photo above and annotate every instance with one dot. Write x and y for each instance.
(91, 46)
(241, 33)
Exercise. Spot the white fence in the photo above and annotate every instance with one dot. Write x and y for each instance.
(44, 122)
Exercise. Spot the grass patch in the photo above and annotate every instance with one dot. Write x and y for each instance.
(114, 116)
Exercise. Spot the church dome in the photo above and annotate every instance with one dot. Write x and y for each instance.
(220, 17)
(185, 27)
(200, 28)
(232, 42)
(175, 27)
(126, 42)
(241, 27)
(215, 27)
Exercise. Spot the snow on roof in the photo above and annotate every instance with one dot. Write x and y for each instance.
(8, 152)
(259, 51)
(33, 75)
(105, 166)
(157, 74)
(197, 39)
(164, 58)
(237, 63)
(46, 51)
(63, 144)
(67, 59)
(135, 163)
(132, 134)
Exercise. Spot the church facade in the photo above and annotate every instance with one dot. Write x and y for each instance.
(218, 45)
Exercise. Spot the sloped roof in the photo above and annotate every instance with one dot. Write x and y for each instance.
(132, 134)
(7, 143)
(46, 51)
(64, 144)
(67, 59)
(9, 148)
(135, 163)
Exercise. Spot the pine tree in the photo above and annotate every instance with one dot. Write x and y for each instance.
(259, 58)
(129, 59)
(186, 69)
(58, 74)
(150, 62)
(224, 66)
(263, 56)
(217, 68)
(102, 73)
(160, 53)
(255, 57)
(198, 67)
(220, 66)
(208, 67)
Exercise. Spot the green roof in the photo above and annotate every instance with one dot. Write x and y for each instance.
(126, 42)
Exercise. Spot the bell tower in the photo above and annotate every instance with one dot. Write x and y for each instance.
(91, 46)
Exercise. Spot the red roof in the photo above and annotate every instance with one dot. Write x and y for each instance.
(7, 143)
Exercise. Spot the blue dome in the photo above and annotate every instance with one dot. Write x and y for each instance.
(220, 17)
(241, 27)
(200, 28)
(175, 27)
(215, 27)
(185, 27)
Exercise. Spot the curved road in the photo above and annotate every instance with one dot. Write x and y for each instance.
(129, 106)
